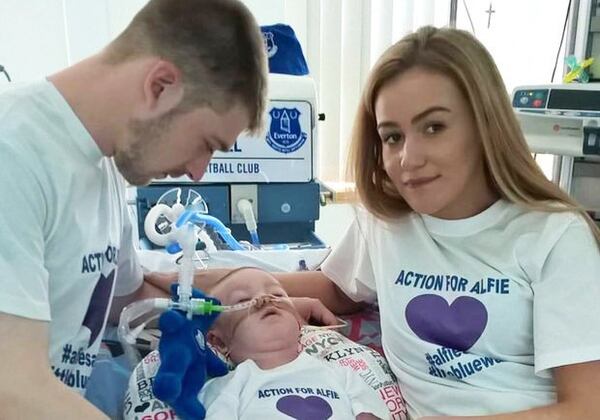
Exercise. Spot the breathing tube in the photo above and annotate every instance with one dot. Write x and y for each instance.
(176, 227)
(163, 218)
(133, 312)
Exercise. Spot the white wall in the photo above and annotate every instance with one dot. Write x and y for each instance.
(40, 37)
(86, 26)
(267, 12)
(32, 38)
(523, 36)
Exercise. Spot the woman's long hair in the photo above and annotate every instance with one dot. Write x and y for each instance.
(508, 163)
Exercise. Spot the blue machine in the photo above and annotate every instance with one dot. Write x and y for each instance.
(275, 172)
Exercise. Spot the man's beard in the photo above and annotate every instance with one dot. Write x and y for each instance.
(142, 142)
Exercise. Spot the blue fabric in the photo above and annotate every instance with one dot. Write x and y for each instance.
(107, 384)
(284, 50)
(185, 360)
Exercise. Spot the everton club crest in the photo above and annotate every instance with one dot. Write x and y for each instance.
(285, 134)
(270, 45)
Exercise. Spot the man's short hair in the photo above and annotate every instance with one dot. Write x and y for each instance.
(216, 44)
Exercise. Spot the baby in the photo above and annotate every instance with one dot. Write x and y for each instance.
(274, 378)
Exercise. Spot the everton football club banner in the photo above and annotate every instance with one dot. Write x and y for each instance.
(283, 153)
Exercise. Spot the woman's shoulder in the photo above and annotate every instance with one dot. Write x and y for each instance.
(542, 229)
(553, 215)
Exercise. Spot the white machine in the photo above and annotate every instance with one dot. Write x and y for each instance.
(270, 178)
(564, 120)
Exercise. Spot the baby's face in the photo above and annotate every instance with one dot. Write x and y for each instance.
(261, 328)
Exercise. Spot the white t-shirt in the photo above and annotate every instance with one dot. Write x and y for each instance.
(64, 226)
(304, 386)
(475, 312)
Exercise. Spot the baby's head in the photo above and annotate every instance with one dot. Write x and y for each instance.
(270, 326)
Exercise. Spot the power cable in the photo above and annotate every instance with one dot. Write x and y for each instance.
(562, 37)
(3, 70)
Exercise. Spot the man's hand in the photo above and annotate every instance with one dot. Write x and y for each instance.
(160, 280)
(314, 312)
(203, 279)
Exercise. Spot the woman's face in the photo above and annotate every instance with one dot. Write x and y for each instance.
(430, 147)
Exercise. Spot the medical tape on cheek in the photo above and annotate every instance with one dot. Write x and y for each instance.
(238, 306)
(287, 301)
(261, 301)
(258, 302)
(278, 300)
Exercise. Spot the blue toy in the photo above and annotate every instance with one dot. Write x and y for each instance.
(185, 360)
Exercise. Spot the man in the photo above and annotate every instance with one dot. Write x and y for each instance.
(183, 80)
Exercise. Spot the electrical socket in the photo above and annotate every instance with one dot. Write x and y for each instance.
(238, 192)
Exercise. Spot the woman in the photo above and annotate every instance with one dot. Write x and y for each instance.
(486, 273)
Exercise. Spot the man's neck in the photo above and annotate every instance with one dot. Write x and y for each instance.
(96, 93)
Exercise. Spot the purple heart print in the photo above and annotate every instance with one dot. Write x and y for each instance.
(457, 326)
(309, 408)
